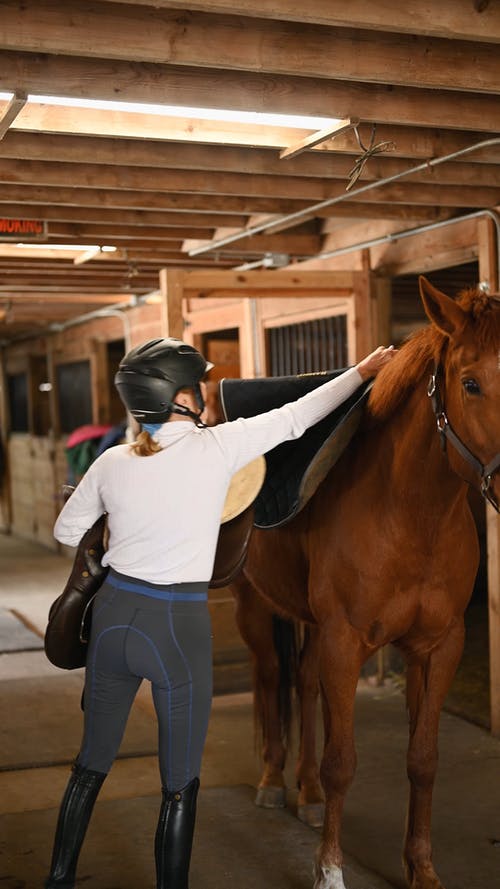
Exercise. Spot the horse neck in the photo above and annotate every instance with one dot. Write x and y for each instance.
(408, 446)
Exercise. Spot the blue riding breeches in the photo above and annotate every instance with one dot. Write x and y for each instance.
(160, 633)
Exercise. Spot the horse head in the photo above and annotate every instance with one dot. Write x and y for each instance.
(465, 385)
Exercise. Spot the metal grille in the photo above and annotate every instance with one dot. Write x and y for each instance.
(308, 347)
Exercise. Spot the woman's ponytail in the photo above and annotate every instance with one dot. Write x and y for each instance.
(145, 445)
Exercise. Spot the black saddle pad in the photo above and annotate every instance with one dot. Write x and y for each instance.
(296, 468)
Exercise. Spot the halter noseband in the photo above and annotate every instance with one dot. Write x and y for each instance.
(447, 433)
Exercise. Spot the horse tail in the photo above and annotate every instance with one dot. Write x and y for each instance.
(286, 644)
(286, 647)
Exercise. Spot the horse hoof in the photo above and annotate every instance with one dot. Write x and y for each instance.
(312, 814)
(329, 878)
(271, 797)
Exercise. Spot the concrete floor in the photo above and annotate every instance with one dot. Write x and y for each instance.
(235, 843)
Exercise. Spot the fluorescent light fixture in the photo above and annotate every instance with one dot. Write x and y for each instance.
(249, 117)
(107, 249)
(48, 246)
(6, 97)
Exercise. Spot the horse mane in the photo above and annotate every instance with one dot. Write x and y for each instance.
(405, 371)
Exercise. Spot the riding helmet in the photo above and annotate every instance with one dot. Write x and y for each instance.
(150, 376)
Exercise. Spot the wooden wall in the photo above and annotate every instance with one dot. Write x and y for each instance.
(36, 462)
(30, 496)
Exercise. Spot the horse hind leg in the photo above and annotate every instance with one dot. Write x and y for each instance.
(310, 800)
(427, 684)
(341, 657)
(256, 625)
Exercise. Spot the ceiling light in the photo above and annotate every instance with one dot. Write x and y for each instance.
(221, 114)
(152, 298)
(47, 245)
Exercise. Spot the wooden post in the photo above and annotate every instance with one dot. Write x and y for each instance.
(488, 273)
(381, 302)
(363, 312)
(5, 492)
(55, 424)
(372, 310)
(99, 381)
(172, 291)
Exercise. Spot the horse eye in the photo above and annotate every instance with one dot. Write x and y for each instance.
(472, 387)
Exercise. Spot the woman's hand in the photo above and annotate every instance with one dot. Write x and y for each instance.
(370, 366)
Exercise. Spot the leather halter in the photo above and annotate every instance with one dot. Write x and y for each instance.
(447, 433)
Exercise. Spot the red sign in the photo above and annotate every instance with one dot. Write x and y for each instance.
(27, 229)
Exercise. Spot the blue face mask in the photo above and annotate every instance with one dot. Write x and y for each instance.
(151, 427)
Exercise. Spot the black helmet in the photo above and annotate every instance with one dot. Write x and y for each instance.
(150, 376)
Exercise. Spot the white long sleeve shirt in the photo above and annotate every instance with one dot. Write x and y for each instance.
(164, 510)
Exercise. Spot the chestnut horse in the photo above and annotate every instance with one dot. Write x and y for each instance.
(386, 551)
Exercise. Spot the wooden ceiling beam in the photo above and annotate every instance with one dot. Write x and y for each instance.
(139, 239)
(11, 111)
(294, 245)
(458, 19)
(416, 144)
(78, 274)
(127, 200)
(88, 233)
(110, 218)
(144, 82)
(82, 197)
(174, 156)
(301, 188)
(246, 44)
(345, 210)
(31, 297)
(192, 181)
(116, 124)
(262, 282)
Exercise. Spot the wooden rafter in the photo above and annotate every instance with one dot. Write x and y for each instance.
(457, 19)
(12, 109)
(247, 44)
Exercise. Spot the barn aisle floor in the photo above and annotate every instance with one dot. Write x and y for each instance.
(236, 844)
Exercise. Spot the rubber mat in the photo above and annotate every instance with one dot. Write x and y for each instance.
(41, 723)
(15, 635)
(235, 845)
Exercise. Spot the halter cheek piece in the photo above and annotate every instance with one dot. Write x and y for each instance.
(447, 434)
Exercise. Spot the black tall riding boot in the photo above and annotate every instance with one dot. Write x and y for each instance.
(74, 815)
(174, 836)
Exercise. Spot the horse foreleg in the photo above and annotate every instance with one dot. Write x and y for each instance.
(255, 623)
(310, 801)
(427, 684)
(341, 656)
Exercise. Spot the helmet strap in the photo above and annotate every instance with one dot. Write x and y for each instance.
(186, 412)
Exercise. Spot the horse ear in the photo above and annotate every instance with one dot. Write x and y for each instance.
(443, 311)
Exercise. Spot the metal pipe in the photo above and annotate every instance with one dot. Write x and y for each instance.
(409, 232)
(116, 311)
(299, 214)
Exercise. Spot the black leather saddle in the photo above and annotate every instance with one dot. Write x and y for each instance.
(296, 468)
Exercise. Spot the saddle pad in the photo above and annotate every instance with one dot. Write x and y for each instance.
(296, 468)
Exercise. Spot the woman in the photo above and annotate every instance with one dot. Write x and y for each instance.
(163, 496)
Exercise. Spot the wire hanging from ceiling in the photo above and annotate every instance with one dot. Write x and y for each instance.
(372, 150)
